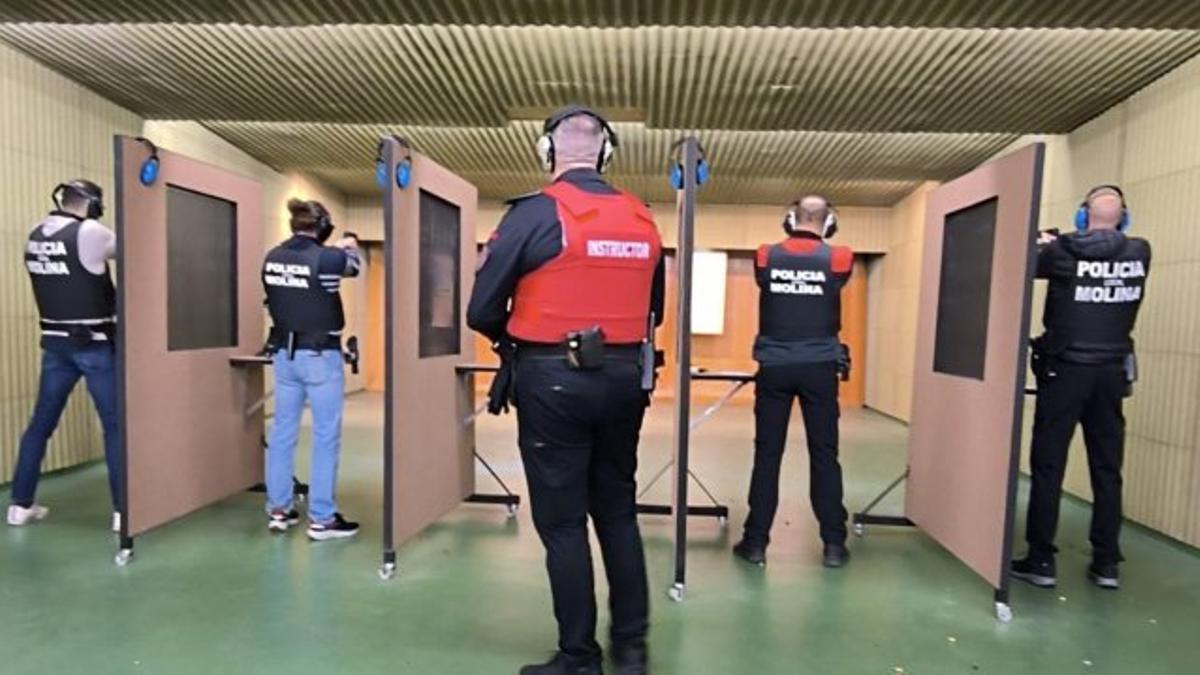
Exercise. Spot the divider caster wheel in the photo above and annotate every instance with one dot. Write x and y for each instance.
(387, 571)
(675, 592)
(124, 557)
(511, 510)
(860, 530)
(1004, 612)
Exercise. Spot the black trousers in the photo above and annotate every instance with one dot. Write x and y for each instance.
(1091, 396)
(816, 385)
(578, 434)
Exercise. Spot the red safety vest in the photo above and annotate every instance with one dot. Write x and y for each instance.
(602, 277)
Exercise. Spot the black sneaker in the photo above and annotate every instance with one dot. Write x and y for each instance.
(1040, 573)
(835, 555)
(281, 520)
(559, 666)
(751, 553)
(338, 528)
(1105, 576)
(630, 658)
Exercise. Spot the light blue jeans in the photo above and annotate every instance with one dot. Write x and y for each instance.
(318, 378)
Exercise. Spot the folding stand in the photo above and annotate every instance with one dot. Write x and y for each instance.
(509, 499)
(716, 510)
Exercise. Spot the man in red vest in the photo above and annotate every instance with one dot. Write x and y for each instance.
(572, 279)
(800, 284)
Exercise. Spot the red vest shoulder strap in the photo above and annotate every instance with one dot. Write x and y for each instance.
(841, 259)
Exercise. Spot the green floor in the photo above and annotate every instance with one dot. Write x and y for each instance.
(214, 593)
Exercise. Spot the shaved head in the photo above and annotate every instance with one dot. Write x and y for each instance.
(578, 141)
(1105, 207)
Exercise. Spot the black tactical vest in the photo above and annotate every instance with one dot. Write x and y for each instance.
(800, 297)
(67, 293)
(1090, 313)
(296, 298)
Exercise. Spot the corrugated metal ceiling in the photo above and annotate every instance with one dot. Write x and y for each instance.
(865, 113)
(806, 13)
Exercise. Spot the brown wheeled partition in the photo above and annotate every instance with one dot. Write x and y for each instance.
(189, 246)
(429, 238)
(969, 379)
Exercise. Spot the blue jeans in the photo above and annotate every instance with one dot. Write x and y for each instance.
(318, 378)
(61, 369)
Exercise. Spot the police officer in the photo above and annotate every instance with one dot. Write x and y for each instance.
(302, 278)
(581, 264)
(800, 281)
(67, 258)
(1084, 368)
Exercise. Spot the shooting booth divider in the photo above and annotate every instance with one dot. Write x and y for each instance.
(429, 240)
(969, 379)
(189, 246)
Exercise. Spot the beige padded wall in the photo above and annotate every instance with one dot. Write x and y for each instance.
(892, 324)
(188, 440)
(428, 452)
(963, 439)
(1150, 144)
(718, 226)
(51, 130)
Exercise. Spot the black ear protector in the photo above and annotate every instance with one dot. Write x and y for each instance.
(828, 229)
(403, 167)
(1083, 215)
(545, 144)
(85, 189)
(149, 171)
(324, 223)
(675, 175)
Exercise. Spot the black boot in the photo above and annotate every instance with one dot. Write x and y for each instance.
(630, 658)
(835, 555)
(754, 554)
(559, 666)
(1105, 575)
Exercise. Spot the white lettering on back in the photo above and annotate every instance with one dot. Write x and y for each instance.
(603, 248)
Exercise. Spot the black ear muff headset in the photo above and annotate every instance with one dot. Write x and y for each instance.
(545, 144)
(324, 223)
(84, 189)
(149, 171)
(675, 175)
(403, 167)
(1083, 213)
(828, 228)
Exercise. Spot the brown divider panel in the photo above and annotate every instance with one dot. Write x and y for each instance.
(189, 250)
(429, 230)
(965, 428)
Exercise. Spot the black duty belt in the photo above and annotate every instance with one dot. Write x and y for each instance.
(629, 352)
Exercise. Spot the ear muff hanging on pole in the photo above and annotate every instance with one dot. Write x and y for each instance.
(403, 167)
(1083, 216)
(148, 174)
(675, 174)
(545, 143)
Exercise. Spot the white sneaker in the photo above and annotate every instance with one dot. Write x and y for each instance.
(19, 515)
(116, 525)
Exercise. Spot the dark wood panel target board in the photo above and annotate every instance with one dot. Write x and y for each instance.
(969, 379)
(189, 247)
(429, 433)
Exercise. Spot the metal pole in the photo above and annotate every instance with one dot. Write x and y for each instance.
(686, 203)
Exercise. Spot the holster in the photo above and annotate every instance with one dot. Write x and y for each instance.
(585, 349)
(500, 394)
(844, 363)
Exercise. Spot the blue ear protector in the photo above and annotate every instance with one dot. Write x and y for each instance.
(675, 175)
(149, 170)
(1081, 214)
(403, 167)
